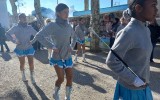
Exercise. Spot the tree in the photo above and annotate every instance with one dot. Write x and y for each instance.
(37, 7)
(14, 10)
(86, 4)
(95, 24)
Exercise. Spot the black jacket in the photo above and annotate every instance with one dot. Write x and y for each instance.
(155, 32)
(2, 35)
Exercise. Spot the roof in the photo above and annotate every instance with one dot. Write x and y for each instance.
(102, 10)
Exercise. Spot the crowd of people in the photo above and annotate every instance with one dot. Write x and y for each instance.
(128, 36)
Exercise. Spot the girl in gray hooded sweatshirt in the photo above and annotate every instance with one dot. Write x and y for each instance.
(59, 32)
(133, 45)
(81, 31)
(20, 35)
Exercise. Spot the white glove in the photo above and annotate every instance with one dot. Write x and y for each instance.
(138, 82)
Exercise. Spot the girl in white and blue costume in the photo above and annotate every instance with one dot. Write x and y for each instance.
(133, 45)
(60, 33)
(81, 31)
(20, 35)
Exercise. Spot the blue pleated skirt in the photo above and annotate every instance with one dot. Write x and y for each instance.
(62, 64)
(21, 53)
(123, 93)
(81, 41)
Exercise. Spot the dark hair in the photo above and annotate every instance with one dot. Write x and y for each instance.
(21, 15)
(132, 4)
(81, 19)
(61, 7)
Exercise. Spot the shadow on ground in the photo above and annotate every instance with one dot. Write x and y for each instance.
(40, 92)
(81, 77)
(30, 91)
(100, 69)
(13, 95)
(32, 94)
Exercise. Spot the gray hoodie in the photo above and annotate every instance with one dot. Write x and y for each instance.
(60, 33)
(81, 31)
(22, 34)
(133, 45)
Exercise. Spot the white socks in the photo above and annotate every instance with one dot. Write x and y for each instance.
(84, 59)
(23, 76)
(68, 92)
(76, 58)
(56, 93)
(32, 77)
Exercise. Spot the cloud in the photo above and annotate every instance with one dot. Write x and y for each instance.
(71, 10)
(46, 12)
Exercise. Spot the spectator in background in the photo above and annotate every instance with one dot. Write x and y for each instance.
(124, 20)
(36, 26)
(75, 23)
(103, 28)
(107, 25)
(112, 28)
(155, 33)
(102, 25)
(3, 39)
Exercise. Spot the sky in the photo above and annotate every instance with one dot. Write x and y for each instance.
(75, 5)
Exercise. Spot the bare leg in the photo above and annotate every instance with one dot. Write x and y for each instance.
(60, 75)
(31, 66)
(22, 63)
(69, 77)
(77, 52)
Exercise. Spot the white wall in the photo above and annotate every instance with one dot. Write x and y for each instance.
(4, 18)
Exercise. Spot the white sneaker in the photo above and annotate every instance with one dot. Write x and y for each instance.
(32, 77)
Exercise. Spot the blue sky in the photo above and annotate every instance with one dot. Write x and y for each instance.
(77, 5)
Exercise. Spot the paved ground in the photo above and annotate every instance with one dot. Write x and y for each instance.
(92, 80)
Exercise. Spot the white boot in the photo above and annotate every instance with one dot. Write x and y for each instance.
(84, 59)
(68, 92)
(32, 77)
(23, 76)
(56, 93)
(76, 58)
